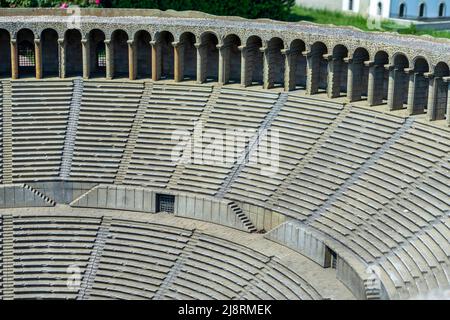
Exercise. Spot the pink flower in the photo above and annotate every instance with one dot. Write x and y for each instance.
(98, 2)
(64, 5)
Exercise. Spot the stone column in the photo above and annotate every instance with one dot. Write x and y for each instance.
(432, 90)
(440, 103)
(109, 59)
(266, 61)
(245, 77)
(178, 64)
(62, 58)
(221, 78)
(447, 80)
(201, 62)
(289, 69)
(85, 45)
(391, 88)
(14, 60)
(352, 78)
(312, 76)
(358, 71)
(411, 91)
(132, 57)
(38, 57)
(333, 68)
(371, 95)
(156, 60)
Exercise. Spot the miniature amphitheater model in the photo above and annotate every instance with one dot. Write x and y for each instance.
(93, 205)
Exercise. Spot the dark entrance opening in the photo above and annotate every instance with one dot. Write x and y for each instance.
(27, 61)
(165, 203)
(330, 259)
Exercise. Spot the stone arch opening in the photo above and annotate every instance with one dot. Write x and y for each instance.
(378, 79)
(165, 60)
(438, 93)
(189, 59)
(143, 54)
(358, 75)
(398, 82)
(232, 59)
(5, 53)
(297, 65)
(26, 53)
(253, 69)
(120, 61)
(418, 87)
(73, 53)
(97, 53)
(317, 68)
(275, 63)
(337, 71)
(209, 57)
(50, 54)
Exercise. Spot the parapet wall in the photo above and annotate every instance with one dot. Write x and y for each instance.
(155, 21)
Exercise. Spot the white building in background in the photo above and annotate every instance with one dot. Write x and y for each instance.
(403, 9)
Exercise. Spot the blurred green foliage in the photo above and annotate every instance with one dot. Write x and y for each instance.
(273, 9)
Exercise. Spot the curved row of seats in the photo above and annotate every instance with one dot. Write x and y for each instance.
(106, 117)
(171, 115)
(398, 216)
(394, 214)
(140, 261)
(299, 125)
(40, 112)
(234, 120)
(48, 251)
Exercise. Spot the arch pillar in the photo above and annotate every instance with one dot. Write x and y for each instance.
(432, 93)
(267, 83)
(109, 59)
(85, 48)
(371, 82)
(245, 77)
(355, 76)
(394, 94)
(201, 62)
(375, 89)
(38, 58)
(224, 63)
(289, 68)
(178, 63)
(432, 88)
(447, 80)
(156, 60)
(411, 107)
(312, 76)
(62, 58)
(334, 68)
(352, 76)
(132, 60)
(14, 60)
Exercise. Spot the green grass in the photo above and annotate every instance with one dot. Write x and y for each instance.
(342, 19)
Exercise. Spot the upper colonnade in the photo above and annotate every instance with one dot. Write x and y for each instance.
(403, 72)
